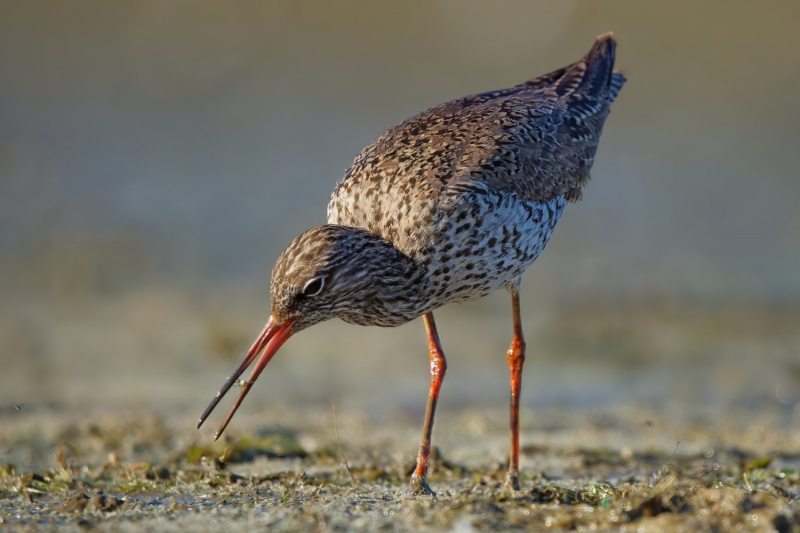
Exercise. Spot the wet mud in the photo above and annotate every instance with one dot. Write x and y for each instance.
(621, 469)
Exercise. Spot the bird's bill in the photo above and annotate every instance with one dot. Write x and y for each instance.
(269, 340)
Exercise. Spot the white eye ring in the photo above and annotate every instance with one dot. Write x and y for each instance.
(311, 284)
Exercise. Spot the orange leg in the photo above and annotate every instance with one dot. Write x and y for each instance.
(438, 368)
(516, 357)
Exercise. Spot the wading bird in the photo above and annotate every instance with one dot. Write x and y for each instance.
(448, 206)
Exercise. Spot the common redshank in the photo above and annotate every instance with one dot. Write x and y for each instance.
(448, 206)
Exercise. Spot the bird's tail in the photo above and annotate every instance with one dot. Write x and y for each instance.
(594, 75)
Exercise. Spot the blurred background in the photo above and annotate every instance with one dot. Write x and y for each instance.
(156, 157)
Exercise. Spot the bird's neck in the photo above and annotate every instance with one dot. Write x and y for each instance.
(394, 283)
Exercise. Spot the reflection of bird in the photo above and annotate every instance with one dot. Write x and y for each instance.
(448, 206)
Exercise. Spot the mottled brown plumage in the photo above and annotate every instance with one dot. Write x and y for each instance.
(447, 206)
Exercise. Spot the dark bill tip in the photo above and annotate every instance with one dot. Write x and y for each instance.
(279, 335)
(261, 341)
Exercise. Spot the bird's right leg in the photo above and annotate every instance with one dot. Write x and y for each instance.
(438, 368)
(516, 357)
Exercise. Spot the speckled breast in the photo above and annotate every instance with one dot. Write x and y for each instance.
(486, 241)
(471, 240)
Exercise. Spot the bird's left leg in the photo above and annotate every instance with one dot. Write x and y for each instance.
(438, 367)
(516, 357)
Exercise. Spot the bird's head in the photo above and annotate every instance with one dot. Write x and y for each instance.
(330, 272)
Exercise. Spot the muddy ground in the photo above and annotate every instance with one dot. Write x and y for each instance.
(634, 418)
(620, 469)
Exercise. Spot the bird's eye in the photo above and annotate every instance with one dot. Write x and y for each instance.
(313, 286)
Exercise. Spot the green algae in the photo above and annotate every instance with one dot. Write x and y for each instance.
(293, 479)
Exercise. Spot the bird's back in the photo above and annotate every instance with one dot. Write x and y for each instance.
(506, 160)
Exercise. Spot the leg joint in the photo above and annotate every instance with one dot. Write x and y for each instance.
(516, 352)
(438, 363)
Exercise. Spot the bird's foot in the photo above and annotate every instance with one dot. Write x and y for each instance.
(512, 482)
(419, 487)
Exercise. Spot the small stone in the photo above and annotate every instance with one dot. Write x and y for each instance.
(128, 504)
(101, 502)
(162, 473)
(73, 504)
(235, 479)
(157, 473)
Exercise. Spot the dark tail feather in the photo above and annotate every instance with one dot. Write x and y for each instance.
(617, 81)
(594, 76)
